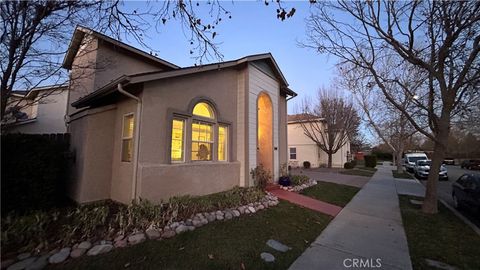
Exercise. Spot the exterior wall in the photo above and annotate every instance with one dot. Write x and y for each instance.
(308, 151)
(82, 75)
(98, 63)
(49, 113)
(282, 135)
(122, 172)
(261, 82)
(113, 62)
(91, 140)
(242, 135)
(157, 178)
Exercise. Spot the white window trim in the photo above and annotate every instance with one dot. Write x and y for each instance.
(213, 156)
(227, 134)
(290, 153)
(127, 137)
(183, 142)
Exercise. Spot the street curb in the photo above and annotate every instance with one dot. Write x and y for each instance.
(459, 215)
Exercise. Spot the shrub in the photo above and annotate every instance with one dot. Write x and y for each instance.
(298, 179)
(370, 161)
(261, 176)
(306, 164)
(98, 221)
(348, 165)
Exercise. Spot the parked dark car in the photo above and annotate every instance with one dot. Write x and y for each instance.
(449, 161)
(471, 164)
(466, 192)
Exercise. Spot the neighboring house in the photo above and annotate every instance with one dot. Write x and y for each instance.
(145, 128)
(41, 110)
(301, 148)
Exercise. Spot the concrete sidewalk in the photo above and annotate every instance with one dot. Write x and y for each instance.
(368, 230)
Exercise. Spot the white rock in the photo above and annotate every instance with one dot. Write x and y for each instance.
(228, 215)
(152, 233)
(180, 229)
(168, 234)
(39, 263)
(204, 221)
(211, 217)
(197, 222)
(267, 257)
(251, 209)
(119, 238)
(174, 225)
(23, 256)
(99, 249)
(277, 245)
(219, 217)
(60, 256)
(136, 238)
(247, 211)
(191, 228)
(22, 264)
(219, 213)
(189, 222)
(241, 209)
(85, 245)
(261, 207)
(77, 252)
(121, 243)
(236, 213)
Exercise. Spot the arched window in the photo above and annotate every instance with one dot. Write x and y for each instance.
(208, 140)
(204, 110)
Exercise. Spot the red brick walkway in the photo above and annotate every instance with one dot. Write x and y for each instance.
(305, 201)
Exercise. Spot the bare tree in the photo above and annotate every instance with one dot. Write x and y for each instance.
(388, 123)
(34, 34)
(330, 121)
(439, 39)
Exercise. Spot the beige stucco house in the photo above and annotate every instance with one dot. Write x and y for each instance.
(41, 110)
(301, 148)
(142, 127)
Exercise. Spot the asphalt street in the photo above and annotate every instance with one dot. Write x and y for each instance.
(445, 190)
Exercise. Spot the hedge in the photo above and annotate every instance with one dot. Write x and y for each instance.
(370, 161)
(35, 168)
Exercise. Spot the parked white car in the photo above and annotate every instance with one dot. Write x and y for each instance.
(412, 158)
(422, 169)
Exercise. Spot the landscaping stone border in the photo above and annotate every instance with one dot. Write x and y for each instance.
(300, 187)
(39, 261)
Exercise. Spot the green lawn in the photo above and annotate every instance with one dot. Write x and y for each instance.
(404, 175)
(442, 237)
(332, 193)
(358, 172)
(229, 244)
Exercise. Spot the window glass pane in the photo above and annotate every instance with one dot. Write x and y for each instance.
(127, 147)
(201, 151)
(177, 140)
(222, 143)
(128, 126)
(204, 110)
(202, 141)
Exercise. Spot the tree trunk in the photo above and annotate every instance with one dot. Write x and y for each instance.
(329, 160)
(399, 162)
(430, 203)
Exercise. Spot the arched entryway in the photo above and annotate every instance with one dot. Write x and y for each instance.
(265, 132)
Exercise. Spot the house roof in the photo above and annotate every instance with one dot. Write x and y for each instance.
(33, 93)
(158, 75)
(303, 117)
(81, 31)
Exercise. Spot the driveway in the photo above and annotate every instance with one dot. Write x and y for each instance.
(445, 190)
(332, 175)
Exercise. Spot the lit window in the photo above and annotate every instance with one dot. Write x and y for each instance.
(202, 141)
(204, 110)
(127, 137)
(222, 143)
(177, 139)
(293, 153)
